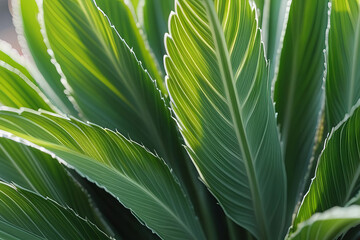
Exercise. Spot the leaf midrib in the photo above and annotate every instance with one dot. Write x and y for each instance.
(227, 78)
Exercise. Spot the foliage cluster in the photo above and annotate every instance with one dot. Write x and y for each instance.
(219, 130)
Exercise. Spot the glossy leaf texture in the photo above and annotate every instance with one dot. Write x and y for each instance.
(337, 177)
(218, 84)
(155, 16)
(327, 225)
(109, 84)
(17, 86)
(26, 215)
(298, 95)
(137, 178)
(121, 14)
(25, 18)
(343, 78)
(38, 172)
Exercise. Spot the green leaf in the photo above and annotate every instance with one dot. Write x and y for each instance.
(109, 84)
(121, 15)
(135, 3)
(274, 21)
(137, 178)
(327, 225)
(298, 94)
(218, 83)
(25, 18)
(260, 9)
(343, 78)
(17, 86)
(11, 57)
(25, 215)
(155, 23)
(337, 178)
(351, 234)
(39, 172)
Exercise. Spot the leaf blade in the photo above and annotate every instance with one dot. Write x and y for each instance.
(121, 15)
(23, 214)
(204, 61)
(328, 225)
(342, 84)
(298, 94)
(155, 14)
(18, 86)
(38, 172)
(331, 187)
(27, 26)
(138, 179)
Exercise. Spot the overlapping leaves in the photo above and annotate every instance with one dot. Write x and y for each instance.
(25, 215)
(38, 172)
(219, 85)
(141, 181)
(18, 87)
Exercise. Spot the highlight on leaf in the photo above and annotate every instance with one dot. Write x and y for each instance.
(181, 119)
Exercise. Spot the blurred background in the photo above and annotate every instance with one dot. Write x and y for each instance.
(7, 30)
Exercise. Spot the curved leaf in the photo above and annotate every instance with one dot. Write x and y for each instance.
(38, 172)
(25, 18)
(16, 90)
(138, 179)
(17, 85)
(218, 83)
(343, 78)
(25, 215)
(327, 225)
(337, 178)
(11, 57)
(298, 94)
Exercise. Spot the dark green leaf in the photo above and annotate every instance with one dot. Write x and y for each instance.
(25, 215)
(37, 171)
(299, 95)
